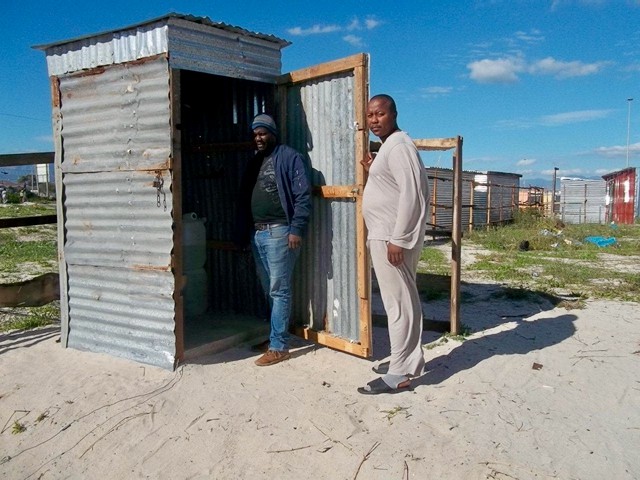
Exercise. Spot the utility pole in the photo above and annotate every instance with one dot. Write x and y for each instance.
(629, 100)
(553, 195)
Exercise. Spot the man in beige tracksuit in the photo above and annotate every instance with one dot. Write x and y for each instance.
(395, 210)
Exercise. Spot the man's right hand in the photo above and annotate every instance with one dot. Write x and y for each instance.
(366, 163)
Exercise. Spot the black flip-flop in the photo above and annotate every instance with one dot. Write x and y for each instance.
(378, 386)
(381, 369)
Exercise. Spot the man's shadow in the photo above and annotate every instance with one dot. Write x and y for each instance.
(526, 337)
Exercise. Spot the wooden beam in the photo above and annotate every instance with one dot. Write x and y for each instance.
(16, 159)
(337, 191)
(337, 343)
(424, 144)
(436, 143)
(329, 68)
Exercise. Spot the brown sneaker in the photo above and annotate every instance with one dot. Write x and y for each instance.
(272, 357)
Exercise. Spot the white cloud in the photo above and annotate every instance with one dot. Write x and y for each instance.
(533, 36)
(354, 25)
(559, 69)
(563, 172)
(502, 70)
(435, 91)
(617, 151)
(319, 29)
(353, 40)
(574, 117)
(508, 68)
(525, 162)
(514, 124)
(314, 30)
(555, 120)
(371, 23)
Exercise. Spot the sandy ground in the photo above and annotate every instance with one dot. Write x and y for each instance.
(536, 393)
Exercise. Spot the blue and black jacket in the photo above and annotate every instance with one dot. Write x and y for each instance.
(294, 190)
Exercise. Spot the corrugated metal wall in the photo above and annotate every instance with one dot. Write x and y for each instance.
(320, 124)
(441, 203)
(499, 190)
(107, 49)
(504, 196)
(582, 201)
(218, 51)
(116, 142)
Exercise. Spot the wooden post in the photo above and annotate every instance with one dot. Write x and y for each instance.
(456, 238)
(60, 210)
(361, 95)
(434, 203)
(176, 191)
(472, 186)
(488, 206)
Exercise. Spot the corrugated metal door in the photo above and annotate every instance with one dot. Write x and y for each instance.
(623, 197)
(322, 115)
(114, 167)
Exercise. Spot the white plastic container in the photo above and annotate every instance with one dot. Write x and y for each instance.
(194, 258)
(194, 242)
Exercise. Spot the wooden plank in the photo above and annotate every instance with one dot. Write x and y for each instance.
(424, 144)
(28, 221)
(330, 341)
(337, 191)
(436, 143)
(17, 159)
(176, 191)
(329, 68)
(363, 264)
(60, 195)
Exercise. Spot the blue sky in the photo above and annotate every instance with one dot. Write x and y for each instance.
(529, 84)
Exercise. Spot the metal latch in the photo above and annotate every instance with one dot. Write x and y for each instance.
(158, 184)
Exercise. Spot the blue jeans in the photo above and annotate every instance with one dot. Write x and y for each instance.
(274, 263)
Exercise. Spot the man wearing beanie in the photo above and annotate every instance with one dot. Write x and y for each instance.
(278, 182)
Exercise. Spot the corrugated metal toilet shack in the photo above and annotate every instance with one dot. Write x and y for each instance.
(622, 196)
(152, 135)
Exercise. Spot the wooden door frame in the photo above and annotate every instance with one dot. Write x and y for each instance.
(359, 65)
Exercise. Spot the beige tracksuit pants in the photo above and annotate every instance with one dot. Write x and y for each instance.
(403, 306)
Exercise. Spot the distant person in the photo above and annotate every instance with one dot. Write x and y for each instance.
(22, 196)
(277, 200)
(4, 196)
(394, 207)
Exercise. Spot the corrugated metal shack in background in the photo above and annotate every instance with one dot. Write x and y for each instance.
(582, 200)
(621, 196)
(488, 198)
(153, 120)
